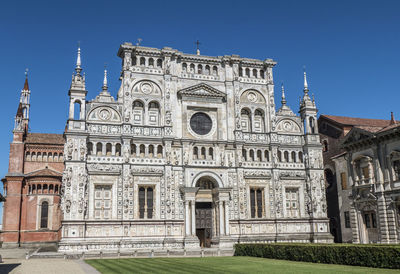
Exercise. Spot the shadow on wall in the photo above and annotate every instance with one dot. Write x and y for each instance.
(7, 268)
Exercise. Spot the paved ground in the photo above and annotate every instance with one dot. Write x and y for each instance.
(45, 266)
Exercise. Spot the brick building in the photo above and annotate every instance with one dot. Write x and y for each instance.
(31, 212)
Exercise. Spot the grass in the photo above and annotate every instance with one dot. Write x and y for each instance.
(210, 265)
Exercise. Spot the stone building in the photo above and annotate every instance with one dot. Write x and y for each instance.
(192, 153)
(361, 164)
(31, 211)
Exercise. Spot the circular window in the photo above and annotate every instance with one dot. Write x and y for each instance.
(200, 123)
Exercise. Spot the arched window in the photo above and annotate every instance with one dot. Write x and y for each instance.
(142, 150)
(184, 67)
(266, 155)
(138, 112)
(39, 156)
(191, 68)
(134, 60)
(247, 72)
(99, 149)
(245, 120)
(312, 125)
(61, 158)
(215, 70)
(34, 189)
(56, 189)
(259, 124)
(252, 155)
(324, 145)
(254, 73)
(45, 156)
(77, 110)
(108, 149)
(151, 151)
(33, 156)
(90, 148)
(195, 153)
(142, 61)
(55, 157)
(279, 156)
(207, 70)
(28, 156)
(300, 156)
(159, 151)
(203, 153)
(262, 75)
(118, 150)
(45, 188)
(50, 157)
(159, 63)
(51, 189)
(286, 156)
(240, 72)
(151, 62)
(259, 153)
(244, 154)
(133, 149)
(44, 214)
(211, 153)
(294, 157)
(200, 69)
(154, 114)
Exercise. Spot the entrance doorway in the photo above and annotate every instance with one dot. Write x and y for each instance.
(204, 223)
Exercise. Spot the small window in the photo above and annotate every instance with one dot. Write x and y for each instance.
(325, 146)
(257, 202)
(44, 215)
(343, 179)
(347, 219)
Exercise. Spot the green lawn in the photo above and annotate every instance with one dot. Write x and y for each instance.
(210, 265)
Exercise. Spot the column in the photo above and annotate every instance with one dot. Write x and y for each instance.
(104, 147)
(227, 232)
(187, 218)
(221, 218)
(113, 149)
(94, 149)
(193, 218)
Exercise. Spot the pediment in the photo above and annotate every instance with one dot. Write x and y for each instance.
(104, 114)
(201, 91)
(356, 135)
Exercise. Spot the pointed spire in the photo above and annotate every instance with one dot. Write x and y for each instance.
(283, 96)
(78, 68)
(305, 81)
(26, 85)
(105, 87)
(392, 120)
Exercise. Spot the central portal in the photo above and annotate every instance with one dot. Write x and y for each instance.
(204, 223)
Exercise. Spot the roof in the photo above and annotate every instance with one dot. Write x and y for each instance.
(351, 121)
(45, 138)
(26, 85)
(46, 172)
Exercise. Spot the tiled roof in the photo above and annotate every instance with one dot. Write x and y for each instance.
(46, 172)
(351, 121)
(45, 138)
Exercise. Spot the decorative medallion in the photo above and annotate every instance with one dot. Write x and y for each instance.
(252, 97)
(287, 126)
(104, 114)
(201, 123)
(146, 87)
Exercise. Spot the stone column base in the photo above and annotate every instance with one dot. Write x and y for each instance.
(191, 242)
(225, 242)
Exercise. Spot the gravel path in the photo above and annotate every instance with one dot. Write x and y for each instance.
(45, 266)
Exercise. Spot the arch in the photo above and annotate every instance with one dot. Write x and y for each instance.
(45, 188)
(300, 156)
(245, 119)
(99, 149)
(207, 70)
(252, 155)
(34, 189)
(142, 150)
(262, 74)
(195, 153)
(325, 146)
(138, 112)
(44, 157)
(51, 188)
(159, 151)
(279, 156)
(184, 67)
(154, 113)
(203, 153)
(44, 214)
(159, 63)
(286, 156)
(33, 157)
(247, 72)
(254, 73)
(142, 61)
(294, 157)
(259, 124)
(39, 156)
(90, 148)
(151, 151)
(151, 62)
(28, 156)
(77, 110)
(259, 155)
(56, 189)
(211, 153)
(266, 155)
(134, 60)
(244, 154)
(108, 149)
(312, 125)
(215, 70)
(118, 149)
(253, 96)
(192, 68)
(61, 158)
(55, 157)
(200, 69)
(133, 149)
(209, 175)
(50, 157)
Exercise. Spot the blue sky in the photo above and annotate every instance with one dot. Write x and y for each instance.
(351, 49)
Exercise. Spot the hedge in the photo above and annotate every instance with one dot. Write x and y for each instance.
(381, 256)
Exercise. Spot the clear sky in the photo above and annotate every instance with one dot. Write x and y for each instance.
(351, 49)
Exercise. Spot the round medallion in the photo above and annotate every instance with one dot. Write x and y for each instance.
(104, 114)
(287, 126)
(200, 123)
(252, 97)
(146, 87)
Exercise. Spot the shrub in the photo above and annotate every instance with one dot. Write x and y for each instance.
(382, 256)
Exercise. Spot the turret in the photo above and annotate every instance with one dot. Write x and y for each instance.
(308, 111)
(22, 116)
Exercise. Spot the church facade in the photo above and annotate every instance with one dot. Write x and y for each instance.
(192, 153)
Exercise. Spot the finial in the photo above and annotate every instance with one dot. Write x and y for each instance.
(283, 95)
(105, 78)
(139, 40)
(78, 60)
(26, 72)
(26, 85)
(305, 81)
(197, 47)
